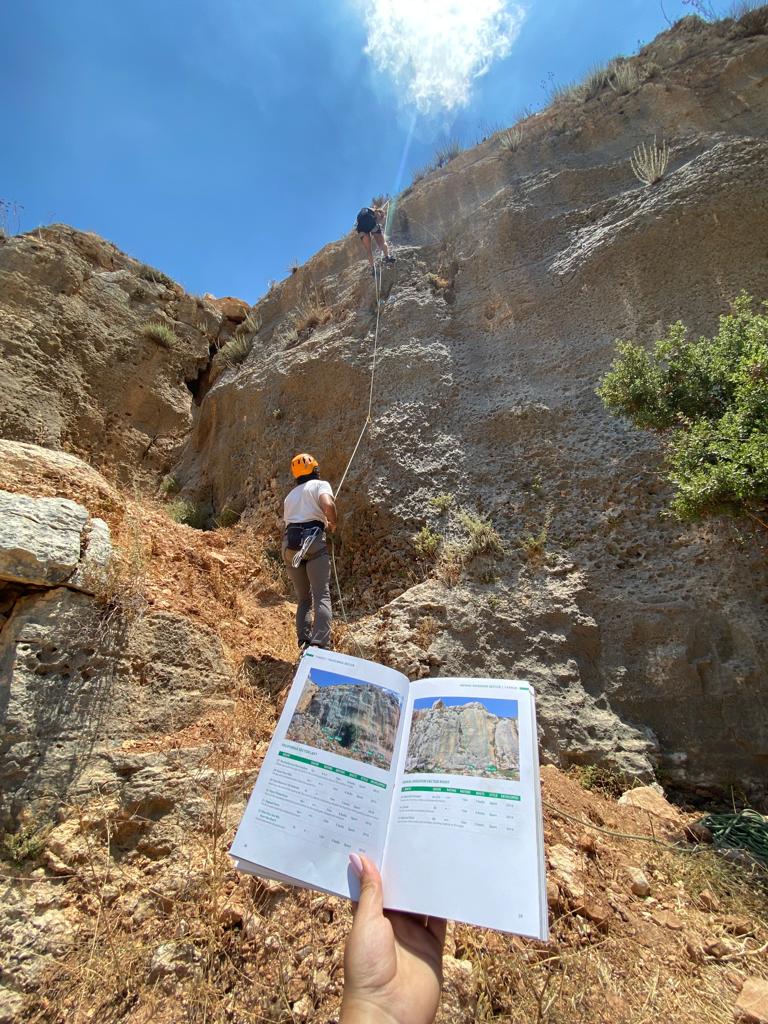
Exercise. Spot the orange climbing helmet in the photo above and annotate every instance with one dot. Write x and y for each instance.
(303, 464)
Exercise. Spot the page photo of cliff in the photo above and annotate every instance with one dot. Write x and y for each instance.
(343, 715)
(475, 736)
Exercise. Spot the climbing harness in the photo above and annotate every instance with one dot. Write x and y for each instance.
(309, 539)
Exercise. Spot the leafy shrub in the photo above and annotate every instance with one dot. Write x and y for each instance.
(649, 164)
(159, 332)
(155, 276)
(709, 400)
(189, 513)
(482, 538)
(426, 542)
(442, 503)
(608, 781)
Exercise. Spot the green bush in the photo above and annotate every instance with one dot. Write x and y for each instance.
(535, 545)
(189, 513)
(160, 333)
(708, 398)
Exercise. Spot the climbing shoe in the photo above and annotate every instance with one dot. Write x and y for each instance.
(389, 259)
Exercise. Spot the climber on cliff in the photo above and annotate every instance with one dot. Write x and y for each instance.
(308, 511)
(370, 223)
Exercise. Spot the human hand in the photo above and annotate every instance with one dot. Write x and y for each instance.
(392, 960)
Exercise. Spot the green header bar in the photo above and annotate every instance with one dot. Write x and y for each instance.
(463, 792)
(330, 768)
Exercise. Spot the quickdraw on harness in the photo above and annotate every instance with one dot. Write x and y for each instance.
(300, 538)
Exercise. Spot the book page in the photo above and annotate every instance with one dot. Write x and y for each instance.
(465, 839)
(326, 784)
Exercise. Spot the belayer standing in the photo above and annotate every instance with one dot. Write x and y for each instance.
(370, 223)
(308, 511)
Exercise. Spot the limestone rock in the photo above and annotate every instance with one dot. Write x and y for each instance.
(752, 1004)
(568, 869)
(350, 719)
(176, 960)
(464, 739)
(233, 309)
(72, 689)
(644, 637)
(75, 366)
(649, 799)
(39, 538)
(639, 883)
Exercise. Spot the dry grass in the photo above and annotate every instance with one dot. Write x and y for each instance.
(511, 139)
(312, 311)
(160, 333)
(649, 163)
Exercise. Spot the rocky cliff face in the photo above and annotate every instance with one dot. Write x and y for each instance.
(463, 740)
(78, 370)
(353, 719)
(516, 271)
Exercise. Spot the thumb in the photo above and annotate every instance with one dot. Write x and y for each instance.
(371, 902)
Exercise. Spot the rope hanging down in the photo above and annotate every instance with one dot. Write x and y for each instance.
(377, 280)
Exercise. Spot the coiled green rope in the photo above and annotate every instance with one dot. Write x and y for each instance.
(746, 830)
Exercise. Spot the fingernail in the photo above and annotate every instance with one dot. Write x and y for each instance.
(357, 864)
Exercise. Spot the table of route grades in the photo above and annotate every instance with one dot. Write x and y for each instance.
(311, 799)
(465, 809)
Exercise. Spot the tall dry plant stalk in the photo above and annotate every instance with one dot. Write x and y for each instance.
(649, 163)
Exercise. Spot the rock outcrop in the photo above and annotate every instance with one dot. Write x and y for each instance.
(463, 740)
(645, 638)
(353, 719)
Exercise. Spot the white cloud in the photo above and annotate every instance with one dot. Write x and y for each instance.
(434, 49)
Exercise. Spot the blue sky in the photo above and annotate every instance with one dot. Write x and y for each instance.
(222, 141)
(496, 705)
(321, 677)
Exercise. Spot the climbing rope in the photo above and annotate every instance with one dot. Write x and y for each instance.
(746, 830)
(377, 281)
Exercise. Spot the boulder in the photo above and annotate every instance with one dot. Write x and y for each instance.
(51, 541)
(650, 799)
(752, 1004)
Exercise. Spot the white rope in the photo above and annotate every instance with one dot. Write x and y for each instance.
(370, 391)
(376, 279)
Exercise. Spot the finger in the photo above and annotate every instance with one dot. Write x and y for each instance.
(437, 927)
(371, 902)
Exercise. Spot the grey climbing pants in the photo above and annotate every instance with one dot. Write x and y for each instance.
(312, 583)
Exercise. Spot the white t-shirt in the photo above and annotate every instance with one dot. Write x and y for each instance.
(303, 503)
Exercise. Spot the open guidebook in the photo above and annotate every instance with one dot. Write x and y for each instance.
(437, 781)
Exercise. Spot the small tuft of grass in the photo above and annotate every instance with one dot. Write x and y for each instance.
(535, 545)
(751, 17)
(169, 485)
(511, 138)
(649, 163)
(234, 351)
(438, 283)
(482, 538)
(227, 517)
(311, 312)
(426, 542)
(442, 503)
(26, 843)
(624, 77)
(160, 333)
(188, 513)
(154, 275)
